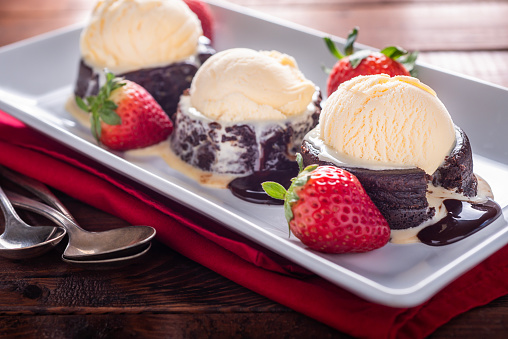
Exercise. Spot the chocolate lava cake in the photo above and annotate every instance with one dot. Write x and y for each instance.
(400, 194)
(239, 148)
(165, 84)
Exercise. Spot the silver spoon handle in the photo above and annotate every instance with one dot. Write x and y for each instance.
(7, 208)
(40, 208)
(37, 188)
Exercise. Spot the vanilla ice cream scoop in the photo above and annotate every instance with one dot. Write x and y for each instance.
(398, 121)
(126, 35)
(242, 84)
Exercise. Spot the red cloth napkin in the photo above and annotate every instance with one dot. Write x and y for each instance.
(208, 243)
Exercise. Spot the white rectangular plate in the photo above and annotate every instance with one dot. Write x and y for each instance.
(37, 76)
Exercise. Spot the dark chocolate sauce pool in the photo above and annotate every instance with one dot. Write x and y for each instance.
(249, 188)
(463, 219)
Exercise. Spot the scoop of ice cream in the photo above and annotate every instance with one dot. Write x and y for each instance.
(242, 84)
(396, 121)
(126, 35)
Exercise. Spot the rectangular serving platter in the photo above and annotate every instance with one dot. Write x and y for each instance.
(37, 77)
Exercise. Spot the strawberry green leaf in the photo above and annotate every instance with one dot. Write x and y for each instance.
(110, 105)
(96, 126)
(409, 61)
(356, 58)
(393, 52)
(310, 168)
(274, 189)
(289, 201)
(92, 102)
(110, 117)
(325, 69)
(81, 104)
(299, 161)
(301, 180)
(288, 212)
(351, 38)
(332, 48)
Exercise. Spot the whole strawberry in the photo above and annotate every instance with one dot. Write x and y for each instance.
(204, 13)
(329, 211)
(390, 60)
(125, 116)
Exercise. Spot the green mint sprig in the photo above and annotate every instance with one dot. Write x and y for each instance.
(100, 106)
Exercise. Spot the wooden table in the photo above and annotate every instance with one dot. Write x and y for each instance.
(167, 295)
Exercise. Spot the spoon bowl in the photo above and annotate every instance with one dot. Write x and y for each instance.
(82, 244)
(107, 244)
(115, 243)
(22, 241)
(111, 263)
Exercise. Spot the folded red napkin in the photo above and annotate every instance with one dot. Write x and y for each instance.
(244, 262)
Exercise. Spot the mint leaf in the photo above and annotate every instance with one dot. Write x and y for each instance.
(101, 107)
(81, 104)
(110, 117)
(108, 104)
(274, 189)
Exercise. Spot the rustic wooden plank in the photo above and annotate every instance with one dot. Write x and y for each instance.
(178, 325)
(426, 26)
(48, 5)
(483, 322)
(14, 29)
(490, 66)
(421, 26)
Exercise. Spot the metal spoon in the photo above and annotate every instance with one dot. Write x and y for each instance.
(22, 241)
(58, 218)
(83, 244)
(109, 263)
(126, 253)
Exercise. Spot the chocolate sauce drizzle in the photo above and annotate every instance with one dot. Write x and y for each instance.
(249, 188)
(463, 219)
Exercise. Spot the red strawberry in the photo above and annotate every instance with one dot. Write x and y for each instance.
(329, 211)
(204, 13)
(125, 116)
(391, 60)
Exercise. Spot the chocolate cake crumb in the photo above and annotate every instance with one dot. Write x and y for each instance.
(271, 149)
(457, 170)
